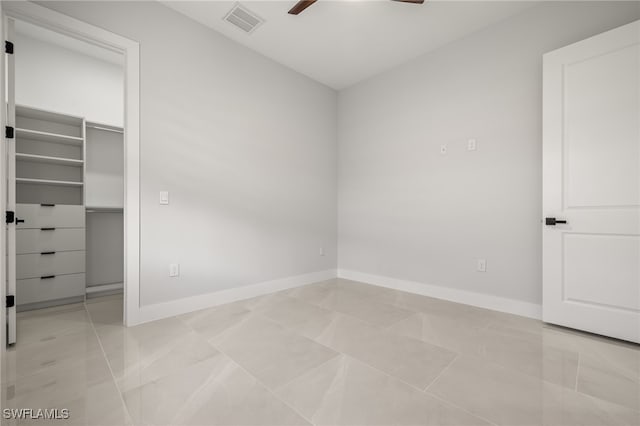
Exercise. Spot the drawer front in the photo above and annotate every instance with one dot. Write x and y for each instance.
(58, 216)
(38, 241)
(40, 290)
(58, 263)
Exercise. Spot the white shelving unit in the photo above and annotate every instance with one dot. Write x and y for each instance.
(49, 182)
(49, 137)
(50, 160)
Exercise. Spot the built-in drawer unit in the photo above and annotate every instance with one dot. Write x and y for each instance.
(50, 216)
(38, 241)
(44, 289)
(49, 263)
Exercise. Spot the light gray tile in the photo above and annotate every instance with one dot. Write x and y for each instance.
(87, 391)
(506, 397)
(211, 322)
(270, 352)
(524, 352)
(605, 381)
(106, 310)
(298, 315)
(64, 350)
(213, 392)
(363, 308)
(413, 361)
(135, 368)
(47, 324)
(344, 391)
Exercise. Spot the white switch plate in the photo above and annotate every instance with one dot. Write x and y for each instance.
(174, 270)
(482, 265)
(472, 145)
(164, 197)
(443, 149)
(321, 251)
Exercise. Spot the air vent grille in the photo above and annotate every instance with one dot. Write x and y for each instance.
(243, 19)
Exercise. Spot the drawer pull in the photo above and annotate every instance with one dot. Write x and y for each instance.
(47, 205)
(48, 252)
(47, 277)
(47, 229)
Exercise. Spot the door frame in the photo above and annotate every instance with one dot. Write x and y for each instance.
(47, 18)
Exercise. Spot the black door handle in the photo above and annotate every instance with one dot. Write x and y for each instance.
(552, 221)
(19, 221)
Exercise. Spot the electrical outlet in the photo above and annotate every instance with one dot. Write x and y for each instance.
(443, 149)
(472, 145)
(481, 265)
(174, 270)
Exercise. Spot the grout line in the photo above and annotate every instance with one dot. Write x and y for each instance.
(577, 372)
(459, 407)
(267, 388)
(104, 354)
(337, 355)
(441, 373)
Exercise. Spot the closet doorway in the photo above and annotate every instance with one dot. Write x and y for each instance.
(66, 174)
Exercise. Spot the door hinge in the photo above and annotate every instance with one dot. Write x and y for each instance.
(9, 216)
(9, 132)
(11, 301)
(8, 47)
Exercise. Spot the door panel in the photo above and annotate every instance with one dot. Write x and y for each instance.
(593, 259)
(591, 178)
(601, 105)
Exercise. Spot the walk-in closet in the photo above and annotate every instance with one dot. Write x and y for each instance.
(69, 165)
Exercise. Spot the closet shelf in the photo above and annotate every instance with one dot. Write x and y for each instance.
(48, 182)
(102, 209)
(49, 160)
(48, 137)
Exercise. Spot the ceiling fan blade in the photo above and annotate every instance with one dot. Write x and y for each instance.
(300, 6)
(411, 1)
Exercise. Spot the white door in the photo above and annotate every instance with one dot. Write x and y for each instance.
(10, 147)
(591, 180)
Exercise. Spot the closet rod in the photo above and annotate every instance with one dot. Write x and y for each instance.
(93, 126)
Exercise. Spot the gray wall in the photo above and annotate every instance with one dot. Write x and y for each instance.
(406, 211)
(246, 147)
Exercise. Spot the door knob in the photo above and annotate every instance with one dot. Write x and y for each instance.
(552, 221)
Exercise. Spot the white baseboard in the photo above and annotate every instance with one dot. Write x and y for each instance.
(487, 301)
(203, 301)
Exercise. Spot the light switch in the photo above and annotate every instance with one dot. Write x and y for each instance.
(174, 269)
(164, 197)
(482, 265)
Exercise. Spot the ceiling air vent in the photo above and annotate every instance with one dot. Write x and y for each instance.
(242, 18)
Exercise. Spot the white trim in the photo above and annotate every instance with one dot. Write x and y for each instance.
(195, 303)
(3, 233)
(64, 24)
(104, 287)
(487, 301)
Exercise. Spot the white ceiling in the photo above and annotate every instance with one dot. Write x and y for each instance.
(26, 29)
(340, 43)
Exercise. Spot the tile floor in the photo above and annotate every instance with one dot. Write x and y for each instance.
(332, 353)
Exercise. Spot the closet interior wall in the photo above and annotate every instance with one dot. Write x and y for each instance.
(104, 193)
